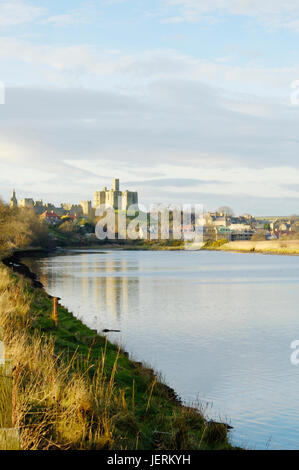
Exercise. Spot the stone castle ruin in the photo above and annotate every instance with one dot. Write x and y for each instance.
(119, 200)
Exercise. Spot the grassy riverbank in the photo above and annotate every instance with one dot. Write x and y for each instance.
(75, 390)
(275, 247)
(143, 245)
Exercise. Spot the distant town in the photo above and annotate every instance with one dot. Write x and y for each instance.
(219, 225)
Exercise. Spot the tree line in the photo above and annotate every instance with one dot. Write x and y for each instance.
(21, 227)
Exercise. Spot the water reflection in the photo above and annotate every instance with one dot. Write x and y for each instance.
(102, 282)
(217, 325)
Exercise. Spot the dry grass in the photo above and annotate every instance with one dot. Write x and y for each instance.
(73, 390)
(5, 396)
(280, 247)
(56, 404)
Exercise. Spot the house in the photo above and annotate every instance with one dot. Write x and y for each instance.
(50, 217)
(259, 225)
(284, 227)
(69, 217)
(209, 232)
(216, 219)
(223, 232)
(241, 232)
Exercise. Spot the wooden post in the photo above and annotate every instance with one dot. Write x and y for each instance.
(5, 388)
(6, 395)
(9, 436)
(55, 310)
(10, 439)
(2, 348)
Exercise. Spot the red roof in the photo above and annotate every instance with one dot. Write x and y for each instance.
(50, 215)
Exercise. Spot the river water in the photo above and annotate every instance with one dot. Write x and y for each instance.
(218, 326)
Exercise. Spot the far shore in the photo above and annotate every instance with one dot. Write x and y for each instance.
(269, 247)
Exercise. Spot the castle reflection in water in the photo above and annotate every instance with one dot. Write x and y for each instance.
(103, 281)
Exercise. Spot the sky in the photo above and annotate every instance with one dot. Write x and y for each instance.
(186, 101)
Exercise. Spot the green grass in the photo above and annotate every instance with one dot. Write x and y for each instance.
(139, 410)
(214, 245)
(59, 235)
(68, 240)
(154, 245)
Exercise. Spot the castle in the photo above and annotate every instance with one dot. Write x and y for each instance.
(117, 199)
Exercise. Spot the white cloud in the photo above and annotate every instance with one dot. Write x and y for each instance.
(68, 58)
(14, 12)
(88, 12)
(75, 141)
(112, 2)
(66, 19)
(137, 71)
(272, 13)
(161, 113)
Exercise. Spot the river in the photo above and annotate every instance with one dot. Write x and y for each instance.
(217, 326)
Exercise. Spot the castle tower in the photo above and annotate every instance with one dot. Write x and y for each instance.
(115, 184)
(115, 198)
(13, 203)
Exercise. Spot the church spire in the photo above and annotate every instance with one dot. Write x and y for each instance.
(13, 200)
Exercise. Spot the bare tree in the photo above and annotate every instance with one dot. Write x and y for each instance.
(226, 210)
